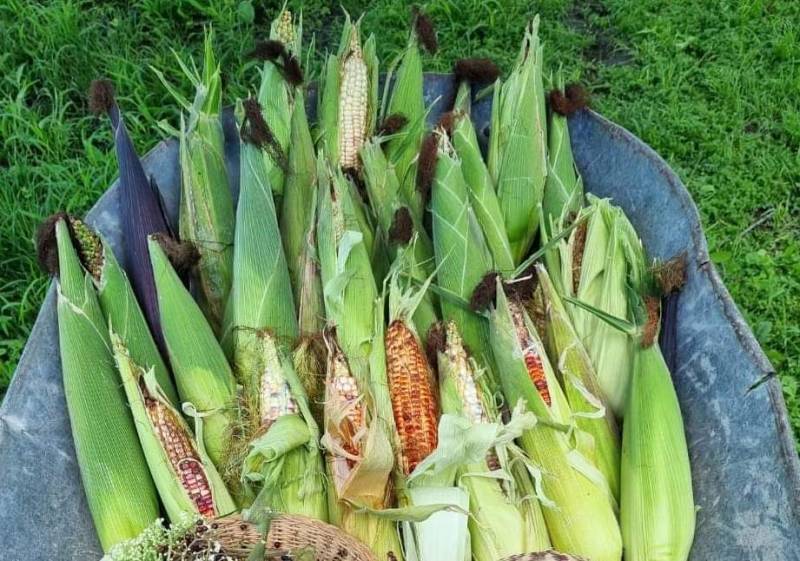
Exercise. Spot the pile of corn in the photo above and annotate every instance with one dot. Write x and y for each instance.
(446, 356)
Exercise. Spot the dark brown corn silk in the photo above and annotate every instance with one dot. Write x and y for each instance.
(572, 99)
(183, 256)
(426, 32)
(578, 247)
(402, 228)
(86, 242)
(392, 124)
(484, 292)
(476, 70)
(46, 244)
(256, 131)
(435, 342)
(651, 326)
(426, 165)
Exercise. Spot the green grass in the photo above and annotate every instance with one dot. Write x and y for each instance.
(715, 89)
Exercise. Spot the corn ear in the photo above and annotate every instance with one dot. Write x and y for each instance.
(462, 258)
(298, 224)
(119, 490)
(407, 99)
(201, 371)
(349, 98)
(261, 294)
(482, 193)
(206, 211)
(517, 153)
(187, 481)
(657, 507)
(504, 521)
(592, 414)
(579, 517)
(598, 271)
(385, 199)
(118, 302)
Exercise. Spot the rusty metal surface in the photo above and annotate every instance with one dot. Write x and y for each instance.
(745, 468)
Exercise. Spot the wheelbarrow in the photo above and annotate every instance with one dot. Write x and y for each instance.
(745, 468)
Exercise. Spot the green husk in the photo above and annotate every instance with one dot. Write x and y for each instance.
(462, 258)
(279, 98)
(407, 99)
(578, 513)
(517, 149)
(121, 308)
(602, 280)
(482, 193)
(657, 507)
(206, 212)
(298, 224)
(579, 380)
(119, 490)
(141, 385)
(383, 190)
(201, 371)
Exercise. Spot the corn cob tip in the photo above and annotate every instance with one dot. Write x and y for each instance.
(476, 70)
(484, 292)
(392, 124)
(86, 242)
(182, 255)
(402, 228)
(671, 275)
(101, 96)
(426, 164)
(426, 32)
(46, 245)
(571, 100)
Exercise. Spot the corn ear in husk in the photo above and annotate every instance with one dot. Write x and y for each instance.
(206, 210)
(348, 104)
(119, 304)
(587, 403)
(202, 374)
(119, 490)
(505, 515)
(482, 195)
(578, 511)
(389, 210)
(462, 257)
(518, 144)
(186, 479)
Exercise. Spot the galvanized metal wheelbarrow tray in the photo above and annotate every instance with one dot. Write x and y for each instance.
(745, 468)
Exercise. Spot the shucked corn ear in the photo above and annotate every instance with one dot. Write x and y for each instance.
(186, 480)
(482, 194)
(119, 304)
(201, 371)
(504, 521)
(579, 513)
(349, 98)
(462, 258)
(411, 382)
(119, 490)
(517, 146)
(206, 211)
(586, 400)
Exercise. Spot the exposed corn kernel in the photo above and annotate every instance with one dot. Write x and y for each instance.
(413, 401)
(275, 396)
(465, 376)
(353, 93)
(530, 352)
(285, 28)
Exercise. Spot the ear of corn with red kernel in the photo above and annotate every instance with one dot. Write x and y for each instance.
(185, 477)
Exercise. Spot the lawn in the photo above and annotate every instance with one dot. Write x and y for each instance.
(714, 88)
